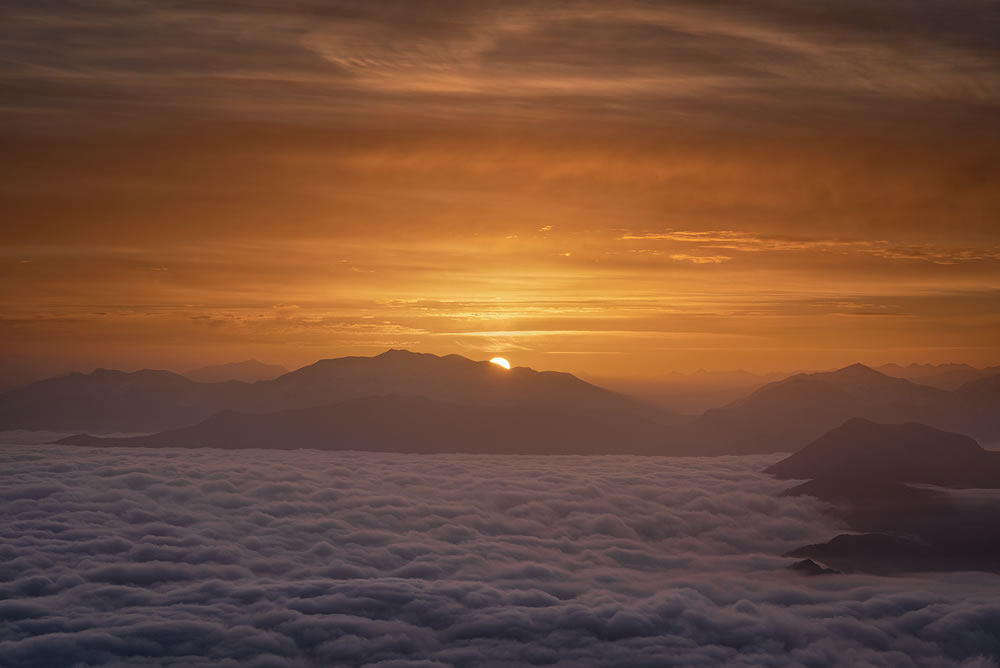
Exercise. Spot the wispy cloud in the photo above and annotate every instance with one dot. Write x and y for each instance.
(745, 242)
(337, 60)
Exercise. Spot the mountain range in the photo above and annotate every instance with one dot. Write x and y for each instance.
(924, 497)
(414, 425)
(782, 415)
(397, 400)
(249, 371)
(944, 376)
(779, 416)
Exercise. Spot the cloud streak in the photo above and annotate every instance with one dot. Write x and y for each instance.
(500, 61)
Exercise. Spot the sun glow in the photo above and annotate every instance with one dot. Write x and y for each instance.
(500, 361)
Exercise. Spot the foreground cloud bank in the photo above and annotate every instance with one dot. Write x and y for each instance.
(315, 558)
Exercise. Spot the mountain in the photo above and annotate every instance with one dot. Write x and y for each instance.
(943, 376)
(415, 425)
(782, 415)
(886, 554)
(450, 378)
(987, 387)
(811, 568)
(249, 371)
(909, 453)
(153, 401)
(874, 553)
(869, 472)
(108, 401)
(691, 393)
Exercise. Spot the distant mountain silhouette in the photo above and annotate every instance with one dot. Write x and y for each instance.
(690, 393)
(810, 567)
(868, 471)
(911, 452)
(884, 554)
(107, 401)
(449, 378)
(415, 425)
(153, 401)
(873, 553)
(784, 414)
(249, 371)
(943, 376)
(987, 387)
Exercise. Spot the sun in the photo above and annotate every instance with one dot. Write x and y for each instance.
(500, 361)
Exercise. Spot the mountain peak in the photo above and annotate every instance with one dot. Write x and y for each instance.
(907, 452)
(858, 370)
(401, 352)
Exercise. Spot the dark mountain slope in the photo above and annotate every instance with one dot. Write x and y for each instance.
(868, 472)
(908, 452)
(414, 425)
(782, 415)
(113, 401)
(249, 371)
(107, 401)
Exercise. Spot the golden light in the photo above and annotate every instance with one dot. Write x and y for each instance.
(500, 361)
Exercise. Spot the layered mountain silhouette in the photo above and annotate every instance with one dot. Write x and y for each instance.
(249, 371)
(944, 376)
(779, 416)
(910, 452)
(782, 415)
(397, 401)
(918, 490)
(876, 553)
(151, 401)
(416, 425)
(107, 401)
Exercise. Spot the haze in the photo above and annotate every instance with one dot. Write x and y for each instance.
(610, 191)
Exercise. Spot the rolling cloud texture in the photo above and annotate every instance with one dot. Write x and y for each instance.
(303, 558)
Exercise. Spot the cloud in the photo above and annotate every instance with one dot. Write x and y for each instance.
(746, 242)
(700, 259)
(780, 62)
(169, 558)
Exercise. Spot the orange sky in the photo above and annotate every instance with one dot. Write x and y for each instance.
(764, 185)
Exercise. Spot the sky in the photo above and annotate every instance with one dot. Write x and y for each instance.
(612, 189)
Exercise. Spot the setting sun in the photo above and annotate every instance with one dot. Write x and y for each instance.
(500, 361)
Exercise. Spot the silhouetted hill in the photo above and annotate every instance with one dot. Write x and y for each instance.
(908, 452)
(107, 401)
(690, 393)
(868, 471)
(872, 553)
(249, 371)
(145, 401)
(859, 486)
(988, 387)
(811, 568)
(944, 376)
(884, 554)
(414, 425)
(782, 415)
(448, 378)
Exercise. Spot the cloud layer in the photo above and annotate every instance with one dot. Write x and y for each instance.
(781, 62)
(302, 558)
(682, 171)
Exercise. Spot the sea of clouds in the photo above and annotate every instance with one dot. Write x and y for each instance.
(254, 558)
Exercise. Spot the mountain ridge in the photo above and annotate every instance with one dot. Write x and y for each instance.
(106, 401)
(414, 425)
